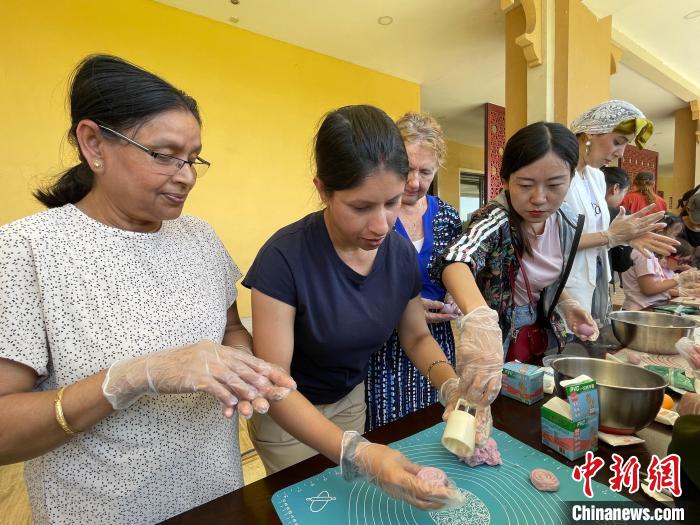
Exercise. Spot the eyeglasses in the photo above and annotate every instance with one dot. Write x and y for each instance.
(168, 164)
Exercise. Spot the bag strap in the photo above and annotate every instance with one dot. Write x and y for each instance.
(569, 263)
(527, 281)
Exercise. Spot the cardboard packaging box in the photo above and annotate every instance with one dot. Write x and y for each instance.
(522, 382)
(571, 426)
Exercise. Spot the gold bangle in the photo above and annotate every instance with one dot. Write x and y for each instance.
(431, 367)
(60, 418)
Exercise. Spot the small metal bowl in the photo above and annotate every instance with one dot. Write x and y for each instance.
(651, 332)
(629, 396)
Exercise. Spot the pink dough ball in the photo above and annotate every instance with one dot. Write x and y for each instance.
(634, 358)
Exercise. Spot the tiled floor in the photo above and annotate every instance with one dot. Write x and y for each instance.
(14, 503)
(253, 469)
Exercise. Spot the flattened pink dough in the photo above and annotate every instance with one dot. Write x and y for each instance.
(488, 454)
(432, 475)
(544, 480)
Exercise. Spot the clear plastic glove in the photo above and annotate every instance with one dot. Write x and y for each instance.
(232, 375)
(691, 291)
(578, 320)
(439, 312)
(394, 474)
(691, 351)
(624, 228)
(687, 278)
(450, 392)
(448, 395)
(650, 243)
(479, 356)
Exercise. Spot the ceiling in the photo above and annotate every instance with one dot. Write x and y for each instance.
(455, 48)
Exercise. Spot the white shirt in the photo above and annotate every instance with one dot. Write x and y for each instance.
(582, 280)
(641, 266)
(77, 295)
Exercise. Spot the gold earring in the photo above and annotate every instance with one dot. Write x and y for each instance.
(588, 147)
(97, 163)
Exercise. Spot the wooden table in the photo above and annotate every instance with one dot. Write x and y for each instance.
(252, 503)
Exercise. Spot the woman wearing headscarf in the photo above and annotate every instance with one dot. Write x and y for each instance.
(603, 132)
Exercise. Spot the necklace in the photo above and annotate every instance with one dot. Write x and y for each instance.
(413, 221)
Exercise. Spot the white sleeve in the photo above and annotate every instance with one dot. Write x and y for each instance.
(23, 335)
(223, 260)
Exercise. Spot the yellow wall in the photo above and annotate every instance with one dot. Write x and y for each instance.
(683, 153)
(516, 73)
(582, 60)
(458, 156)
(664, 182)
(260, 100)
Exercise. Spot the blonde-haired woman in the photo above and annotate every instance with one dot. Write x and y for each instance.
(643, 194)
(603, 133)
(394, 386)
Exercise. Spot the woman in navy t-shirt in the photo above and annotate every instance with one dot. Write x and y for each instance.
(327, 292)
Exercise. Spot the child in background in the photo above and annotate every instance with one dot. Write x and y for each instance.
(678, 262)
(674, 226)
(617, 184)
(652, 281)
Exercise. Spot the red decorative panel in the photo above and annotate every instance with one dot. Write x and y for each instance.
(636, 160)
(494, 142)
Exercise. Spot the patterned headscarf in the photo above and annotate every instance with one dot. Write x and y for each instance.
(615, 116)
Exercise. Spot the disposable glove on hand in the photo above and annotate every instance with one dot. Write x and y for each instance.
(393, 473)
(691, 291)
(578, 320)
(479, 356)
(624, 228)
(439, 312)
(687, 278)
(688, 349)
(231, 375)
(650, 243)
(450, 392)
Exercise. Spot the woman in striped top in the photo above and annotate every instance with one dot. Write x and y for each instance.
(525, 231)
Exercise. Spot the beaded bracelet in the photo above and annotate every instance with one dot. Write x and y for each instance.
(432, 365)
(60, 418)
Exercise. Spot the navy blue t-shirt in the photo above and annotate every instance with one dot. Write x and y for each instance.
(342, 317)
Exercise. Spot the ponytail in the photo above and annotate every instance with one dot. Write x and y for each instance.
(644, 181)
(71, 186)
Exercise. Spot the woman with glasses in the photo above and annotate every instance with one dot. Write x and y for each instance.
(603, 132)
(111, 299)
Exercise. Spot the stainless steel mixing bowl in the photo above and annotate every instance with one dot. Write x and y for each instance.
(651, 332)
(630, 396)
